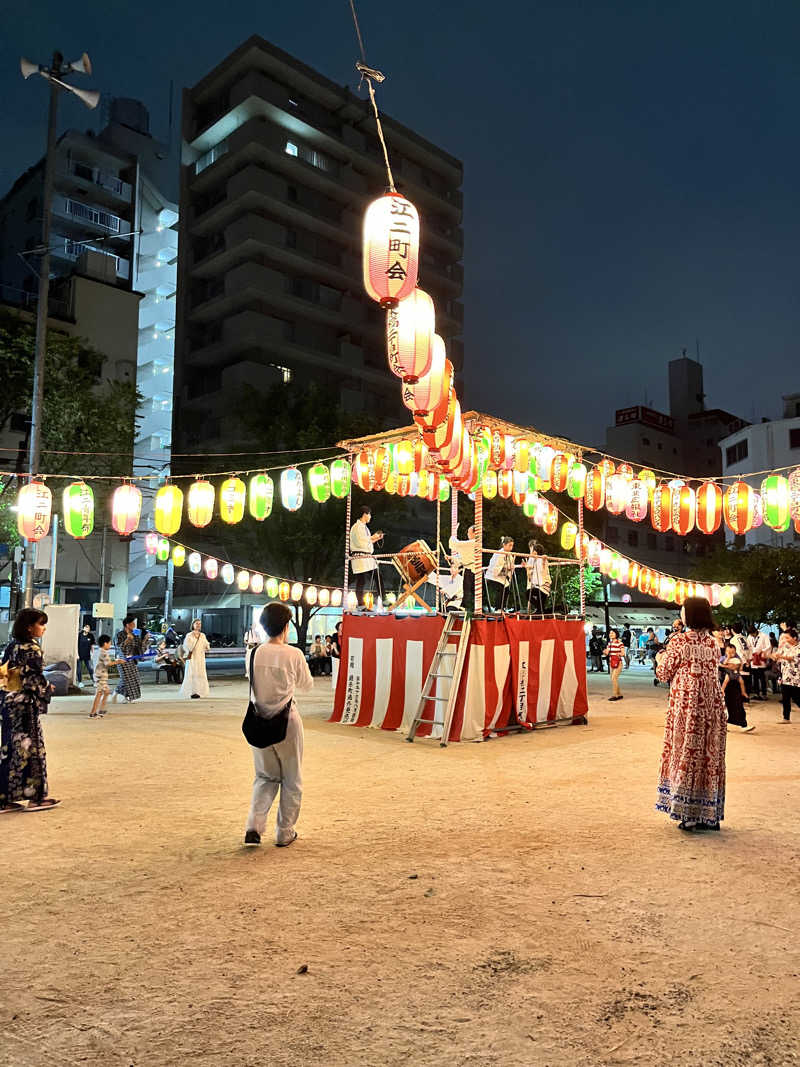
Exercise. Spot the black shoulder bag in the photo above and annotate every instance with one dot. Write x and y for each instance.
(258, 731)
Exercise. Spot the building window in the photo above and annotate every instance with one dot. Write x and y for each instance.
(291, 148)
(651, 541)
(794, 438)
(645, 440)
(211, 156)
(633, 538)
(285, 372)
(308, 155)
(736, 453)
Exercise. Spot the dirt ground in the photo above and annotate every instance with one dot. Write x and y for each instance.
(513, 902)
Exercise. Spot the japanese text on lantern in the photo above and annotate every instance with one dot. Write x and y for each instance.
(399, 239)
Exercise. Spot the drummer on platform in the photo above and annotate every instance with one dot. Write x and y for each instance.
(463, 553)
(500, 572)
(362, 546)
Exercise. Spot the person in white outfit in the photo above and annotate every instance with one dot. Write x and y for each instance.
(463, 553)
(362, 547)
(500, 573)
(279, 671)
(195, 679)
(539, 581)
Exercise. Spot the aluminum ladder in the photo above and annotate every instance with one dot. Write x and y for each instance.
(448, 664)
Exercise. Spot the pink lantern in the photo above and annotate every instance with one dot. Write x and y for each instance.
(126, 509)
(390, 249)
(409, 337)
(427, 394)
(638, 499)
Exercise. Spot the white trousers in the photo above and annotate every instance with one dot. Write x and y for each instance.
(278, 767)
(334, 671)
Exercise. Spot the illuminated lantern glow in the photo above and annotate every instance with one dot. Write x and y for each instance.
(519, 496)
(421, 455)
(505, 484)
(701, 591)
(616, 561)
(410, 329)
(324, 597)
(433, 486)
(739, 508)
(340, 478)
(794, 493)
(431, 390)
(405, 457)
(708, 508)
(648, 477)
(126, 509)
(540, 514)
(381, 466)
(607, 467)
(319, 483)
(510, 460)
(227, 573)
(582, 547)
(522, 455)
(336, 598)
(726, 597)
(200, 503)
(297, 592)
(661, 508)
(595, 491)
(422, 484)
(284, 590)
(775, 498)
(391, 483)
(530, 505)
(312, 594)
(271, 586)
(178, 556)
(232, 496)
(683, 505)
(261, 493)
(576, 480)
(623, 570)
(363, 472)
(680, 592)
(605, 560)
(521, 482)
(413, 484)
(211, 567)
(162, 552)
(559, 471)
(444, 491)
(390, 249)
(243, 581)
(645, 576)
(633, 574)
(617, 494)
(489, 485)
(716, 590)
(593, 554)
(625, 470)
(151, 544)
(550, 524)
(403, 484)
(257, 584)
(78, 510)
(195, 562)
(291, 489)
(758, 510)
(569, 532)
(638, 499)
(167, 510)
(497, 456)
(544, 463)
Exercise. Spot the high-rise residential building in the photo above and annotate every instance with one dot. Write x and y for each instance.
(279, 164)
(684, 442)
(769, 445)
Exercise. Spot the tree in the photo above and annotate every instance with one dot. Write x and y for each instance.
(768, 582)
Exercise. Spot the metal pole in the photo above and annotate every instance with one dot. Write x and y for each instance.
(581, 559)
(348, 511)
(53, 551)
(103, 565)
(605, 603)
(478, 572)
(438, 551)
(168, 591)
(42, 308)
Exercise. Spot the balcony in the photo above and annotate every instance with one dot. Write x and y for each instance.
(89, 217)
(159, 243)
(157, 312)
(86, 174)
(65, 248)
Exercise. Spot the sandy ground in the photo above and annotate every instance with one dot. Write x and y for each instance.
(513, 902)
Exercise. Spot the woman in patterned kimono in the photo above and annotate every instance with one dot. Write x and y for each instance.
(130, 645)
(691, 786)
(23, 762)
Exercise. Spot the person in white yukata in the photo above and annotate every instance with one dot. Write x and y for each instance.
(279, 671)
(362, 547)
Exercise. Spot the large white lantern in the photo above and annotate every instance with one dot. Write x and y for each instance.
(390, 249)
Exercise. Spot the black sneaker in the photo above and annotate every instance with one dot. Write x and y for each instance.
(252, 837)
(195, 696)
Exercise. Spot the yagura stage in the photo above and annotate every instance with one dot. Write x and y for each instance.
(518, 672)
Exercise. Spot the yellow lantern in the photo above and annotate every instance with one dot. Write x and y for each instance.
(324, 597)
(257, 584)
(489, 485)
(405, 457)
(178, 555)
(297, 592)
(390, 249)
(336, 598)
(232, 496)
(34, 507)
(126, 509)
(311, 595)
(200, 503)
(243, 581)
(569, 533)
(168, 509)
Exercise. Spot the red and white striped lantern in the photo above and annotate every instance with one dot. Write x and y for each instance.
(390, 249)
(739, 508)
(559, 471)
(661, 508)
(683, 510)
(708, 508)
(409, 337)
(595, 491)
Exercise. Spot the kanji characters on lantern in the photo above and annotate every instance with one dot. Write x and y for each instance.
(78, 510)
(232, 494)
(200, 503)
(34, 508)
(390, 249)
(260, 496)
(410, 329)
(291, 488)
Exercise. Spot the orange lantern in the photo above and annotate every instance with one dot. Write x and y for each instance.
(34, 508)
(126, 509)
(420, 455)
(595, 491)
(680, 592)
(633, 574)
(382, 465)
(559, 471)
(409, 337)
(403, 484)
(522, 454)
(661, 509)
(232, 496)
(505, 484)
(625, 471)
(683, 510)
(390, 249)
(284, 590)
(405, 457)
(426, 394)
(739, 507)
(364, 471)
(200, 503)
(708, 508)
(550, 524)
(168, 508)
(645, 577)
(638, 497)
(607, 467)
(498, 453)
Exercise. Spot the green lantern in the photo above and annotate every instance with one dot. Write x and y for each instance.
(162, 552)
(319, 483)
(262, 490)
(576, 480)
(529, 505)
(444, 490)
(271, 587)
(775, 502)
(340, 478)
(78, 510)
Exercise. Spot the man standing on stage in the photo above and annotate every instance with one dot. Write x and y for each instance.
(362, 546)
(463, 552)
(500, 572)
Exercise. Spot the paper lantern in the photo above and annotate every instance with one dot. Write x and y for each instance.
(381, 466)
(594, 552)
(162, 552)
(232, 496)
(497, 450)
(594, 493)
(666, 588)
(272, 587)
(623, 570)
(78, 510)
(257, 584)
(645, 576)
(648, 477)
(324, 597)
(680, 592)
(340, 478)
(489, 485)
(794, 493)
(200, 503)
(522, 455)
(311, 595)
(530, 505)
(559, 471)
(505, 484)
(607, 467)
(297, 592)
(569, 532)
(605, 560)
(576, 480)
(405, 457)
(638, 498)
(550, 524)
(739, 507)
(683, 510)
(363, 472)
(243, 581)
(227, 573)
(716, 590)
(168, 509)
(726, 597)
(336, 598)
(758, 510)
(34, 508)
(582, 547)
(319, 483)
(211, 567)
(775, 500)
(661, 508)
(126, 509)
(390, 249)
(544, 463)
(178, 555)
(431, 389)
(708, 508)
(151, 543)
(410, 330)
(195, 562)
(625, 470)
(633, 574)
(444, 491)
(291, 488)
(284, 590)
(403, 484)
(260, 496)
(617, 494)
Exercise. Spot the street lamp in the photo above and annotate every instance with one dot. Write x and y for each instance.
(55, 74)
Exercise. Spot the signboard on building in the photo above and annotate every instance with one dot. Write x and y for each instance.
(103, 611)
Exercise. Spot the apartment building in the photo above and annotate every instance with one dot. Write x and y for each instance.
(279, 164)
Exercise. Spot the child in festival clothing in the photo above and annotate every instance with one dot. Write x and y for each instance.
(733, 689)
(101, 688)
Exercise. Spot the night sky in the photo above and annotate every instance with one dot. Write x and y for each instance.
(631, 171)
